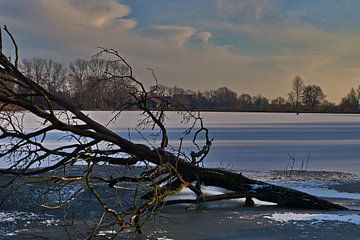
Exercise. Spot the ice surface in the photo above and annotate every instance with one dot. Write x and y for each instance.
(254, 141)
(328, 193)
(317, 188)
(290, 216)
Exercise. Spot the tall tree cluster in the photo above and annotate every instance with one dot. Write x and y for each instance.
(350, 103)
(86, 82)
(295, 94)
(223, 99)
(306, 97)
(312, 96)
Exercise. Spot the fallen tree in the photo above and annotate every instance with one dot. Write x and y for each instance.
(165, 171)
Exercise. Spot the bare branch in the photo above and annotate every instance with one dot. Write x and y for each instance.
(1, 43)
(15, 45)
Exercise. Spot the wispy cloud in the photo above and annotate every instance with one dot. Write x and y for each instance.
(204, 36)
(177, 35)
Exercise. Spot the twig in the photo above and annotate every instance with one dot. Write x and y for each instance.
(15, 45)
(0, 41)
(307, 161)
(154, 75)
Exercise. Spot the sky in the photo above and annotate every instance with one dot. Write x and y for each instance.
(250, 46)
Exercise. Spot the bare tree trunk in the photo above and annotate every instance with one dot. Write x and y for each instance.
(243, 186)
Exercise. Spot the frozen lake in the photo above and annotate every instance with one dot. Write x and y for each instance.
(257, 141)
(263, 141)
(249, 142)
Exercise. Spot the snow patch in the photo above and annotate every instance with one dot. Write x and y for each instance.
(16, 215)
(317, 188)
(51, 222)
(8, 221)
(289, 217)
(108, 232)
(263, 203)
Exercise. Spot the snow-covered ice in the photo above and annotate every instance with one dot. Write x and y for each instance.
(296, 217)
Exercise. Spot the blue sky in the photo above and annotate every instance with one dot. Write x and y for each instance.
(252, 46)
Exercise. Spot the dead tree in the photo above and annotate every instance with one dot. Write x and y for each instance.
(164, 171)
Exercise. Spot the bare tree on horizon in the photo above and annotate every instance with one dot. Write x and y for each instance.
(297, 88)
(312, 95)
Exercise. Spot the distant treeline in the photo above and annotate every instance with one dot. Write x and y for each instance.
(99, 84)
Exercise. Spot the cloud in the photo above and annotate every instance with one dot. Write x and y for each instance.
(92, 13)
(67, 14)
(75, 25)
(127, 23)
(204, 36)
(175, 35)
